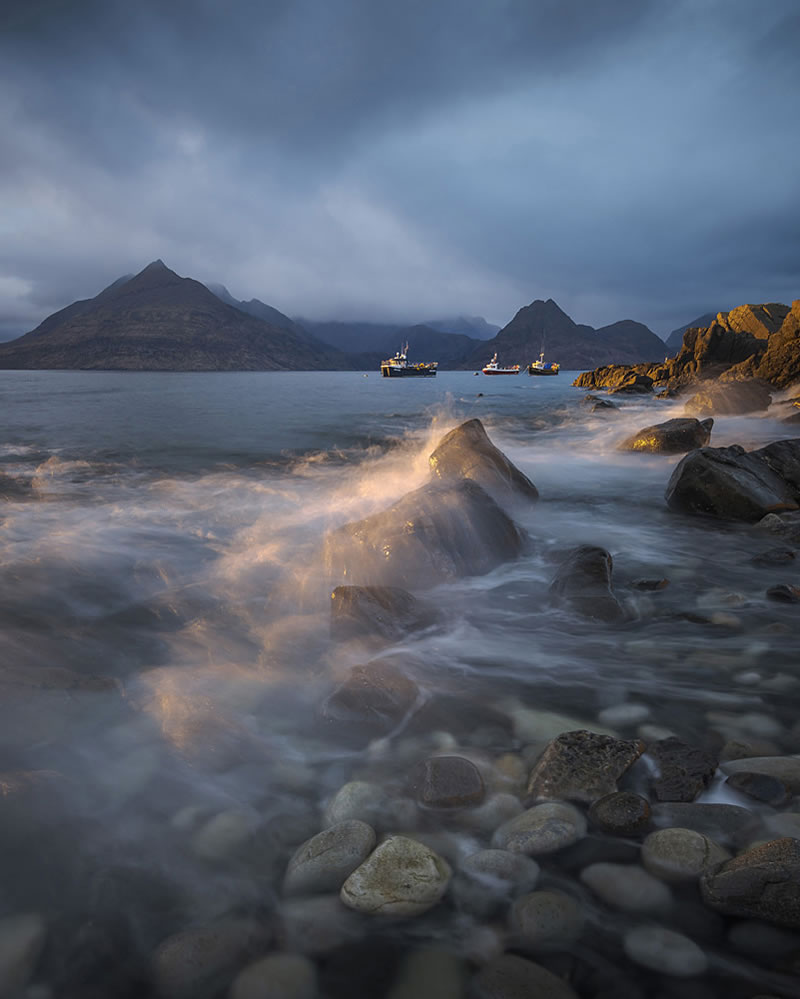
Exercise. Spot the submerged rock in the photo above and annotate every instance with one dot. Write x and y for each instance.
(582, 766)
(489, 878)
(512, 977)
(672, 437)
(583, 582)
(277, 976)
(546, 920)
(665, 951)
(437, 533)
(621, 813)
(729, 398)
(402, 877)
(542, 829)
(387, 612)
(323, 863)
(370, 701)
(627, 886)
(680, 854)
(467, 453)
(683, 771)
(447, 782)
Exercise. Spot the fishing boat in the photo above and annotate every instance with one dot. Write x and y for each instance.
(399, 366)
(542, 367)
(493, 368)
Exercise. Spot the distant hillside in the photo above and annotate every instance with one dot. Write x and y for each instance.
(674, 341)
(544, 326)
(475, 327)
(352, 337)
(158, 321)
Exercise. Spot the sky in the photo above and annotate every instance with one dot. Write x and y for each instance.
(396, 161)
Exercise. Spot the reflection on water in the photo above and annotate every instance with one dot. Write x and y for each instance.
(165, 647)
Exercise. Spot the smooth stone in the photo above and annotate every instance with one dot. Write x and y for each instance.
(318, 925)
(785, 768)
(487, 879)
(761, 883)
(546, 920)
(370, 701)
(429, 973)
(760, 787)
(324, 862)
(493, 812)
(664, 951)
(224, 835)
(513, 977)
(622, 813)
(447, 782)
(680, 854)
(358, 799)
(582, 766)
(277, 976)
(725, 824)
(583, 584)
(402, 877)
(532, 725)
(627, 886)
(622, 715)
(541, 829)
(22, 938)
(782, 824)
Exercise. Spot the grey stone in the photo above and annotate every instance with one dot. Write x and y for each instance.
(760, 787)
(277, 976)
(513, 977)
(627, 886)
(324, 862)
(402, 877)
(542, 829)
(684, 771)
(447, 782)
(785, 768)
(761, 883)
(546, 921)
(672, 437)
(385, 612)
(726, 824)
(318, 925)
(622, 813)
(358, 799)
(371, 700)
(492, 812)
(489, 878)
(582, 766)
(664, 951)
(583, 583)
(680, 854)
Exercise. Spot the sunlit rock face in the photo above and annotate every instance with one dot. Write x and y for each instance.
(583, 584)
(733, 484)
(380, 612)
(729, 398)
(439, 532)
(467, 453)
(672, 437)
(760, 321)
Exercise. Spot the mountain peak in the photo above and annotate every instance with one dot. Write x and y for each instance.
(155, 265)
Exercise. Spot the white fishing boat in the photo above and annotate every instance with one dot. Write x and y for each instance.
(493, 368)
(399, 366)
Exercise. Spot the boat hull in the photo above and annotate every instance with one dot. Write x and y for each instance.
(390, 371)
(541, 371)
(500, 372)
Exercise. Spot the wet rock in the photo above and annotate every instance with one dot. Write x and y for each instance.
(684, 771)
(358, 799)
(371, 700)
(467, 453)
(198, 961)
(627, 886)
(664, 951)
(785, 593)
(21, 941)
(12, 489)
(633, 385)
(466, 718)
(582, 766)
(317, 925)
(623, 715)
(438, 533)
(775, 557)
(650, 585)
(785, 526)
(764, 943)
(323, 863)
(542, 829)
(672, 437)
(402, 877)
(583, 583)
(729, 398)
(447, 782)
(680, 854)
(761, 787)
(386, 612)
(727, 824)
(492, 812)
(513, 977)
(761, 883)
(621, 813)
(546, 921)
(225, 834)
(429, 973)
(733, 484)
(785, 768)
(277, 976)
(488, 879)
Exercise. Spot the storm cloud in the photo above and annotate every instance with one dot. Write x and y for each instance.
(343, 158)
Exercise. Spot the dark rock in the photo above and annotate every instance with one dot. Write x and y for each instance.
(733, 484)
(466, 718)
(582, 766)
(727, 824)
(387, 612)
(621, 813)
(718, 398)
(787, 594)
(774, 556)
(634, 385)
(761, 883)
(762, 787)
(435, 534)
(370, 701)
(447, 782)
(785, 526)
(671, 437)
(650, 584)
(513, 977)
(785, 768)
(583, 582)
(13, 489)
(467, 453)
(684, 771)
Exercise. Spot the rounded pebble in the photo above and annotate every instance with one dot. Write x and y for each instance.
(680, 854)
(542, 829)
(488, 878)
(402, 877)
(277, 976)
(664, 951)
(622, 813)
(547, 920)
(627, 886)
(322, 863)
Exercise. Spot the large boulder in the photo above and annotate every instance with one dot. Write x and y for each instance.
(733, 484)
(385, 612)
(761, 883)
(583, 583)
(437, 533)
(672, 437)
(370, 701)
(729, 398)
(467, 453)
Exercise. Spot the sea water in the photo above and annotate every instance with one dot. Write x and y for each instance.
(165, 555)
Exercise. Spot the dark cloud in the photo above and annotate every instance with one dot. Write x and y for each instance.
(630, 158)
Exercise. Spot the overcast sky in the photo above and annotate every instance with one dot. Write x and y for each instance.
(404, 159)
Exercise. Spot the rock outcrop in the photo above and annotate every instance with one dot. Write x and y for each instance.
(672, 437)
(583, 583)
(384, 612)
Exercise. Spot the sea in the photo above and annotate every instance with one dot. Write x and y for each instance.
(165, 641)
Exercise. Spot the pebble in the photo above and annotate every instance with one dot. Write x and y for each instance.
(546, 920)
(489, 878)
(448, 782)
(785, 768)
(760, 787)
(624, 715)
(402, 877)
(622, 813)
(21, 941)
(358, 799)
(323, 863)
(541, 829)
(627, 886)
(512, 977)
(664, 951)
(277, 976)
(680, 854)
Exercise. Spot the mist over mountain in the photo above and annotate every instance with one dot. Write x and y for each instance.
(475, 327)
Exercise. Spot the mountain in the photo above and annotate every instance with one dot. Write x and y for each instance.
(354, 337)
(158, 321)
(544, 326)
(260, 310)
(427, 344)
(475, 327)
(674, 341)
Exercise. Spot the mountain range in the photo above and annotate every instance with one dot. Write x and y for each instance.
(156, 320)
